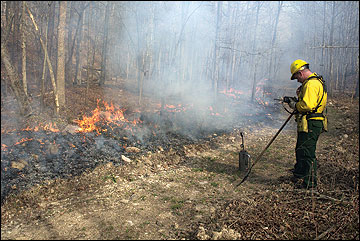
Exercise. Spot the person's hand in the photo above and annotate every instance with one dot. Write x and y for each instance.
(292, 103)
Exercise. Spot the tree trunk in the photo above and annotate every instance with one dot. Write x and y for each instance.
(88, 72)
(15, 84)
(150, 41)
(323, 39)
(356, 92)
(127, 66)
(9, 19)
(141, 80)
(231, 11)
(344, 77)
(337, 78)
(233, 53)
(254, 84)
(215, 59)
(60, 74)
(15, 47)
(43, 77)
(140, 59)
(78, 48)
(253, 50)
(273, 41)
(159, 67)
(51, 42)
(70, 44)
(105, 44)
(23, 47)
(52, 76)
(331, 79)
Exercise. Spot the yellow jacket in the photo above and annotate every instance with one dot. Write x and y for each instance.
(312, 92)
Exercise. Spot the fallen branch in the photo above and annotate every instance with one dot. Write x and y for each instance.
(324, 233)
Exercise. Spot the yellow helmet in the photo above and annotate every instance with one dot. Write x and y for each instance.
(296, 66)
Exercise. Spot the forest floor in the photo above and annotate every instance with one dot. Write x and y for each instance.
(189, 192)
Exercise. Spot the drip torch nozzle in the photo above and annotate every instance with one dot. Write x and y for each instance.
(287, 99)
(242, 138)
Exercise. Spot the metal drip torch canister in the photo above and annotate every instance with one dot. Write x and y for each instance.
(244, 157)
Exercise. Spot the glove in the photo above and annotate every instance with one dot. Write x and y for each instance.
(292, 103)
(287, 99)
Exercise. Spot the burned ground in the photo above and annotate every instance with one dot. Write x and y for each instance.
(172, 182)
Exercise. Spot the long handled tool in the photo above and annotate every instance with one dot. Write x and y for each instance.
(271, 141)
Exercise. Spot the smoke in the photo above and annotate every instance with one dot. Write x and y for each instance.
(171, 46)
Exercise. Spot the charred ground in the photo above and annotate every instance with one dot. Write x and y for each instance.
(176, 185)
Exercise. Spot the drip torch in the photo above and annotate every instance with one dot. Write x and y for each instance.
(242, 159)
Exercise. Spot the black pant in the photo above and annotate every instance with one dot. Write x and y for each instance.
(306, 162)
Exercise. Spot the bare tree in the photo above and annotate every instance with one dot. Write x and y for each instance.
(356, 92)
(216, 50)
(79, 37)
(23, 47)
(105, 44)
(15, 83)
(52, 76)
(89, 69)
(272, 46)
(60, 74)
(43, 77)
(253, 50)
(331, 80)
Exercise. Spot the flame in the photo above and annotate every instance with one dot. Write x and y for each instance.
(40, 141)
(87, 124)
(212, 113)
(3, 131)
(52, 128)
(23, 140)
(48, 127)
(261, 102)
(27, 129)
(232, 93)
(258, 89)
(173, 108)
(4, 147)
(111, 114)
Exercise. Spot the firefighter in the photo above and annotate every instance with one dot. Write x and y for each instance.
(311, 122)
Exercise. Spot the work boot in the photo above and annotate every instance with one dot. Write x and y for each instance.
(300, 184)
(285, 179)
(309, 187)
(295, 179)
